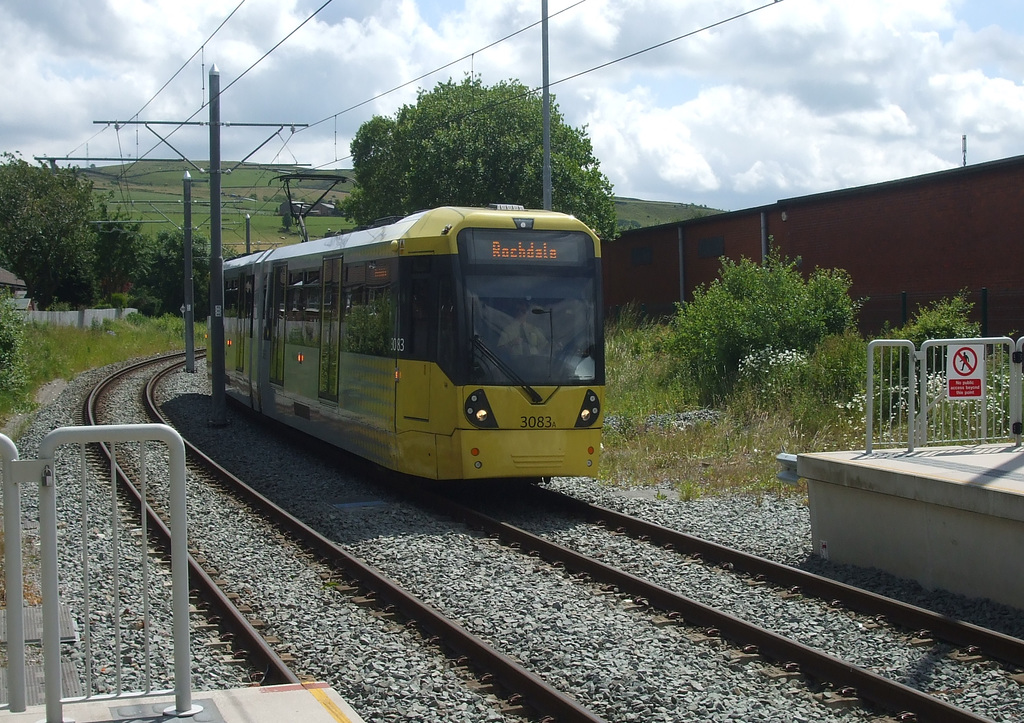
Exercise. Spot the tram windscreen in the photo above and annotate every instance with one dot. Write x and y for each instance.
(532, 317)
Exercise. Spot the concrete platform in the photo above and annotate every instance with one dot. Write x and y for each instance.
(948, 517)
(309, 703)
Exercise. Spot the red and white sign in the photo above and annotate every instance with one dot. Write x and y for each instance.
(965, 372)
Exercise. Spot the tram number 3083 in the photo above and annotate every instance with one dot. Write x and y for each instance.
(536, 422)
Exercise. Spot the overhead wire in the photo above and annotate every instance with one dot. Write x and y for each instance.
(163, 140)
(574, 76)
(377, 96)
(138, 157)
(278, 45)
(190, 59)
(442, 67)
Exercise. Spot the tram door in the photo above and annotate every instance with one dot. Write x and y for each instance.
(332, 312)
(277, 320)
(242, 314)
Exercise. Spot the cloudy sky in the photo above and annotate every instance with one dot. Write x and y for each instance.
(743, 102)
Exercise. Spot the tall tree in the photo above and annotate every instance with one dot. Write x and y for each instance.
(467, 144)
(165, 281)
(45, 232)
(121, 253)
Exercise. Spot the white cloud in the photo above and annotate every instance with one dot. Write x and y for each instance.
(800, 97)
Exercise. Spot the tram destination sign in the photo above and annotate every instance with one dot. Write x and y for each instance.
(539, 248)
(965, 371)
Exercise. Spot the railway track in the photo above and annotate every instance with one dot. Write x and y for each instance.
(238, 634)
(845, 681)
(837, 683)
(520, 687)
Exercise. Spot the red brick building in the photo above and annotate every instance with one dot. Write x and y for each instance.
(904, 243)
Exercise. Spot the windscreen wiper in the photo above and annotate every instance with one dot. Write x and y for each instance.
(535, 398)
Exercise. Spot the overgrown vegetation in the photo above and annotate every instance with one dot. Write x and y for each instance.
(50, 352)
(760, 362)
(12, 343)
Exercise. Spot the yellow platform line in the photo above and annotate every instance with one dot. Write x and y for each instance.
(317, 689)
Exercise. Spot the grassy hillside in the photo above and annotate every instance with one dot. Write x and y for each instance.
(634, 213)
(151, 192)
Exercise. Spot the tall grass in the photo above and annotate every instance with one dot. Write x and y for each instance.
(60, 352)
(658, 433)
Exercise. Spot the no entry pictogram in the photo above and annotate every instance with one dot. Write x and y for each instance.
(965, 371)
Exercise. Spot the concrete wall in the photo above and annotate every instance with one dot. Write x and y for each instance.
(82, 318)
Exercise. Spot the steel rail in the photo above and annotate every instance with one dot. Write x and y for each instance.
(246, 636)
(532, 689)
(990, 643)
(869, 686)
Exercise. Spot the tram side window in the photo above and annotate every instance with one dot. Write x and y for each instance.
(369, 328)
(446, 336)
(250, 284)
(231, 297)
(331, 314)
(238, 304)
(303, 308)
(418, 327)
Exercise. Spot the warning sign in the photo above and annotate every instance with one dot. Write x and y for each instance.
(965, 372)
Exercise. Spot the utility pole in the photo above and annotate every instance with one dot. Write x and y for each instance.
(188, 308)
(215, 350)
(547, 109)
(215, 354)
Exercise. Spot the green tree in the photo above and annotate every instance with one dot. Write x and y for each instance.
(46, 236)
(471, 145)
(752, 308)
(162, 288)
(122, 254)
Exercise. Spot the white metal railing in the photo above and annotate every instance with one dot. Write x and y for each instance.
(121, 589)
(951, 391)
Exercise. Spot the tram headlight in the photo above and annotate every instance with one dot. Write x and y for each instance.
(478, 410)
(590, 410)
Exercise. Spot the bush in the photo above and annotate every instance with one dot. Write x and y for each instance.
(771, 375)
(943, 319)
(119, 300)
(751, 308)
(12, 338)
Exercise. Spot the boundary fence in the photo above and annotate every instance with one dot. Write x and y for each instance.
(121, 582)
(82, 318)
(951, 391)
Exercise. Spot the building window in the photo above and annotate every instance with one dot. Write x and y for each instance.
(711, 247)
(642, 256)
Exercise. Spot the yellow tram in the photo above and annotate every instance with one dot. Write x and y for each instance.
(456, 343)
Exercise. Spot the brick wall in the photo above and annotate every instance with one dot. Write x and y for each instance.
(904, 243)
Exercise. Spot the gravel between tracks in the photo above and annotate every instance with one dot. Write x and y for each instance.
(591, 644)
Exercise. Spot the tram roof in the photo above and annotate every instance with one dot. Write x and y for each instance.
(433, 223)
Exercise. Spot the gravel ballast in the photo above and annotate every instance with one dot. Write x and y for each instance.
(593, 645)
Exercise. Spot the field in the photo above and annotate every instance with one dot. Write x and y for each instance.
(634, 213)
(151, 192)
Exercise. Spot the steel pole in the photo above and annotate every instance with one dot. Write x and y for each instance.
(215, 353)
(547, 110)
(189, 308)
